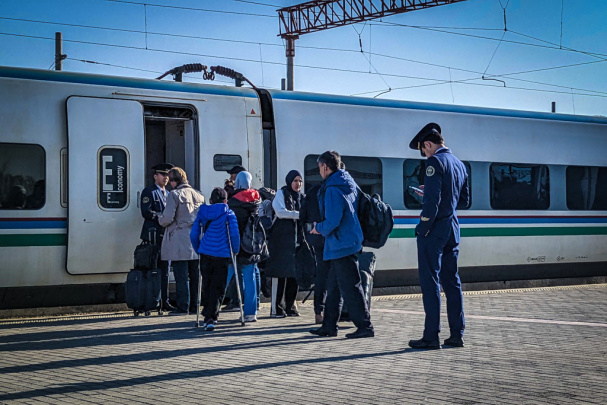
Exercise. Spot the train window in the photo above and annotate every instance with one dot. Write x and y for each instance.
(586, 188)
(366, 171)
(519, 186)
(223, 163)
(22, 176)
(414, 173)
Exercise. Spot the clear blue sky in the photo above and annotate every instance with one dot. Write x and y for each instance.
(433, 55)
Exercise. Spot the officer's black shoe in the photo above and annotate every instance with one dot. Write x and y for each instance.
(166, 306)
(292, 313)
(361, 333)
(424, 344)
(454, 341)
(323, 332)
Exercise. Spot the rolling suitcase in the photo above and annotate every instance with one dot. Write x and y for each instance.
(366, 267)
(143, 283)
(143, 291)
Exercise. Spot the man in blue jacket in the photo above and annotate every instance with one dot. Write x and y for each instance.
(445, 185)
(338, 202)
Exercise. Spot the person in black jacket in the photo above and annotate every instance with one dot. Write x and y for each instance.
(308, 215)
(153, 201)
(283, 241)
(245, 203)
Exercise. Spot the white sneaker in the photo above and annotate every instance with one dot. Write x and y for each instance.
(210, 326)
(250, 318)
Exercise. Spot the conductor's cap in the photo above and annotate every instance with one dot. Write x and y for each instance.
(162, 168)
(421, 135)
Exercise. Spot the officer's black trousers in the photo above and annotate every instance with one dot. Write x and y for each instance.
(437, 260)
(344, 281)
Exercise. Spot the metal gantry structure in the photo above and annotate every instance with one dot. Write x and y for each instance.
(320, 15)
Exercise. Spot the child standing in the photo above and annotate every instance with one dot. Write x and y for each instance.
(214, 250)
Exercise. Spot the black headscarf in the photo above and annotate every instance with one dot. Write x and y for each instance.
(292, 197)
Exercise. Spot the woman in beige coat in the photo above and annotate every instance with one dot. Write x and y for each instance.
(177, 218)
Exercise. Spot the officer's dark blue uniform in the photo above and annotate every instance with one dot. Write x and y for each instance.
(153, 201)
(438, 236)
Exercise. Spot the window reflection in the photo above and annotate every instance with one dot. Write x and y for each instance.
(22, 176)
(519, 187)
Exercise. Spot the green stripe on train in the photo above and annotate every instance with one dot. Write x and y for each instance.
(521, 231)
(45, 239)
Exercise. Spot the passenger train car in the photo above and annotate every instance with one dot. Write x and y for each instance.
(76, 151)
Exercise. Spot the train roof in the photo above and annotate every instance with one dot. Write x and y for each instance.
(184, 87)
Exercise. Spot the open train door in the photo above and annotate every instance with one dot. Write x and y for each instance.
(105, 160)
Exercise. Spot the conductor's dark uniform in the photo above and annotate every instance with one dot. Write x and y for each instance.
(153, 201)
(438, 236)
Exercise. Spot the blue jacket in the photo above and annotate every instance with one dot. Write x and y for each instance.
(445, 185)
(338, 203)
(214, 242)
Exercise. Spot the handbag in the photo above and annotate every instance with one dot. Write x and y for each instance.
(146, 255)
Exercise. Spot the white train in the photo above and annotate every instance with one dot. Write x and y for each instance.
(75, 152)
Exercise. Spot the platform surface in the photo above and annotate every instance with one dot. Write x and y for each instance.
(536, 346)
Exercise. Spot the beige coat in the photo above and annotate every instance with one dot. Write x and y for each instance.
(177, 218)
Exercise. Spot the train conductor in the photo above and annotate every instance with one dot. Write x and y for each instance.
(153, 201)
(445, 185)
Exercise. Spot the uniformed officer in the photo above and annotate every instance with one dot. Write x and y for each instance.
(153, 201)
(446, 184)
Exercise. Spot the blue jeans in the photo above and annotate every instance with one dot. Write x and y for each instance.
(185, 272)
(249, 274)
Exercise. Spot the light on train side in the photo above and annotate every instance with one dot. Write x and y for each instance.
(113, 178)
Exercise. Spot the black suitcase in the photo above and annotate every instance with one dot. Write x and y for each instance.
(143, 291)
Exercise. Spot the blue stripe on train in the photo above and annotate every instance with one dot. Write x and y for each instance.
(497, 220)
(33, 225)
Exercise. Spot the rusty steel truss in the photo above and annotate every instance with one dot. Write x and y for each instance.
(319, 15)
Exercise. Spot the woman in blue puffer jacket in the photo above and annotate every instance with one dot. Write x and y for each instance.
(214, 249)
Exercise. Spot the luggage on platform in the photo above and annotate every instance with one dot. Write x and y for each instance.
(366, 268)
(143, 291)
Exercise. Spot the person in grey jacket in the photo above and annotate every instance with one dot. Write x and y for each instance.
(177, 219)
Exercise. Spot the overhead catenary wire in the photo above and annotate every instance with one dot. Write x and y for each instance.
(305, 47)
(437, 81)
(193, 9)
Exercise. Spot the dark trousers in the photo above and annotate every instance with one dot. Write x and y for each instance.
(214, 276)
(284, 293)
(437, 260)
(344, 281)
(163, 266)
(186, 274)
(320, 282)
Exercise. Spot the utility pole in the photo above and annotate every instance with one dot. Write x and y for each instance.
(59, 56)
(319, 15)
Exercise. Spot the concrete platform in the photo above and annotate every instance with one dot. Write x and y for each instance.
(532, 346)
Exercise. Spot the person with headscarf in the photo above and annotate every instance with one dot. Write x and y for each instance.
(245, 203)
(284, 238)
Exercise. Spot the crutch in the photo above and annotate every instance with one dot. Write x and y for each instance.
(198, 299)
(235, 274)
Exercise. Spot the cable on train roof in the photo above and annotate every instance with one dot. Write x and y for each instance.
(178, 72)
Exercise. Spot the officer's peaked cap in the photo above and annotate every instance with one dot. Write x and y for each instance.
(421, 135)
(162, 168)
(236, 169)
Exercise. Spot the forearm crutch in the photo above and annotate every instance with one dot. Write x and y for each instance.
(198, 299)
(235, 275)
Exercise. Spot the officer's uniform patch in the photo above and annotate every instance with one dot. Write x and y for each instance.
(425, 219)
(145, 200)
(430, 171)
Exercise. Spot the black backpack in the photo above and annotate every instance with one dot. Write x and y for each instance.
(253, 241)
(376, 219)
(146, 256)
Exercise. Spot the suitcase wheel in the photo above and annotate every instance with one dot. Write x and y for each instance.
(147, 313)
(135, 313)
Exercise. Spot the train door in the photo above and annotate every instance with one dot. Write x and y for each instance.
(171, 137)
(105, 176)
